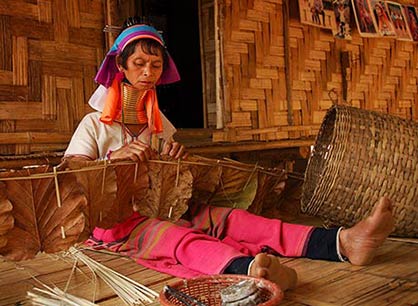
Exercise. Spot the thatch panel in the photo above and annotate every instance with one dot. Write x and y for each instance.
(20, 61)
(20, 26)
(91, 20)
(6, 44)
(20, 110)
(73, 14)
(49, 93)
(49, 56)
(58, 52)
(253, 60)
(65, 117)
(34, 137)
(63, 69)
(379, 74)
(45, 11)
(7, 126)
(13, 93)
(60, 18)
(35, 125)
(77, 100)
(34, 79)
(208, 58)
(89, 86)
(87, 37)
(6, 77)
(19, 8)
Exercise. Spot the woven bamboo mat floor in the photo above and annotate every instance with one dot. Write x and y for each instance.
(391, 280)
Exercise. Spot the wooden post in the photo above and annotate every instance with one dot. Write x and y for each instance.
(203, 65)
(287, 61)
(219, 85)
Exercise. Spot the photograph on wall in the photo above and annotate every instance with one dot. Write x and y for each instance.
(396, 15)
(364, 18)
(342, 11)
(318, 13)
(381, 17)
(412, 21)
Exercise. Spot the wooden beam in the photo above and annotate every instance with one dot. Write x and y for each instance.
(252, 146)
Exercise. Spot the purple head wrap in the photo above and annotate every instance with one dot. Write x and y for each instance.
(108, 68)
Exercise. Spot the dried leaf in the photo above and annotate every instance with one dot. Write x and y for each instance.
(6, 217)
(98, 183)
(133, 183)
(40, 225)
(206, 177)
(237, 188)
(244, 186)
(169, 191)
(266, 185)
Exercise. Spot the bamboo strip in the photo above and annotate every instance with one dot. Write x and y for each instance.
(57, 189)
(130, 291)
(55, 173)
(55, 296)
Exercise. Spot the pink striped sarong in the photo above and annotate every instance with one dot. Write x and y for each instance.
(205, 245)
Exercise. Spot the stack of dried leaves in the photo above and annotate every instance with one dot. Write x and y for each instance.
(46, 209)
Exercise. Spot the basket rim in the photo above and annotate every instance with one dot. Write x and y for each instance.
(277, 292)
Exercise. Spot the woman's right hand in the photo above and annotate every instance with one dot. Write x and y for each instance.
(135, 151)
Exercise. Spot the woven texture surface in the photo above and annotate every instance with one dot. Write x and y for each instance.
(260, 104)
(358, 157)
(207, 289)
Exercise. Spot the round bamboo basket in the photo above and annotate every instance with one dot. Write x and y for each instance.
(360, 156)
(207, 290)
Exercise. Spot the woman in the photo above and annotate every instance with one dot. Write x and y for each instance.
(383, 23)
(214, 240)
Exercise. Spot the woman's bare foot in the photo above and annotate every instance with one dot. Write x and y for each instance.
(269, 267)
(360, 242)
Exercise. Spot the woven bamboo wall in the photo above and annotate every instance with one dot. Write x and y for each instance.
(50, 50)
(207, 38)
(260, 104)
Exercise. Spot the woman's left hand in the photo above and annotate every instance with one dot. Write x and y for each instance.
(175, 150)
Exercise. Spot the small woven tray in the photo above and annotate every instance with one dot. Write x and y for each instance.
(358, 157)
(207, 289)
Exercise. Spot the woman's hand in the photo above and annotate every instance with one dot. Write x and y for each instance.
(175, 150)
(281, 185)
(135, 151)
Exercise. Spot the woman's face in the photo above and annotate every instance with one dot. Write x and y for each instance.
(143, 70)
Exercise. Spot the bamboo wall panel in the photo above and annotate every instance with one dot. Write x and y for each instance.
(379, 73)
(207, 41)
(49, 56)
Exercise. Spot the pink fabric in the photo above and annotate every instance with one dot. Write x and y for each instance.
(120, 231)
(187, 250)
(177, 250)
(254, 233)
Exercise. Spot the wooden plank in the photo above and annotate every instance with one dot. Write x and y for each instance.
(73, 13)
(20, 61)
(61, 33)
(36, 137)
(49, 95)
(13, 93)
(6, 43)
(20, 110)
(249, 146)
(390, 280)
(86, 36)
(18, 8)
(6, 77)
(51, 51)
(20, 26)
(45, 11)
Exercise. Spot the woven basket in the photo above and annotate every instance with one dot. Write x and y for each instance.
(358, 157)
(207, 289)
